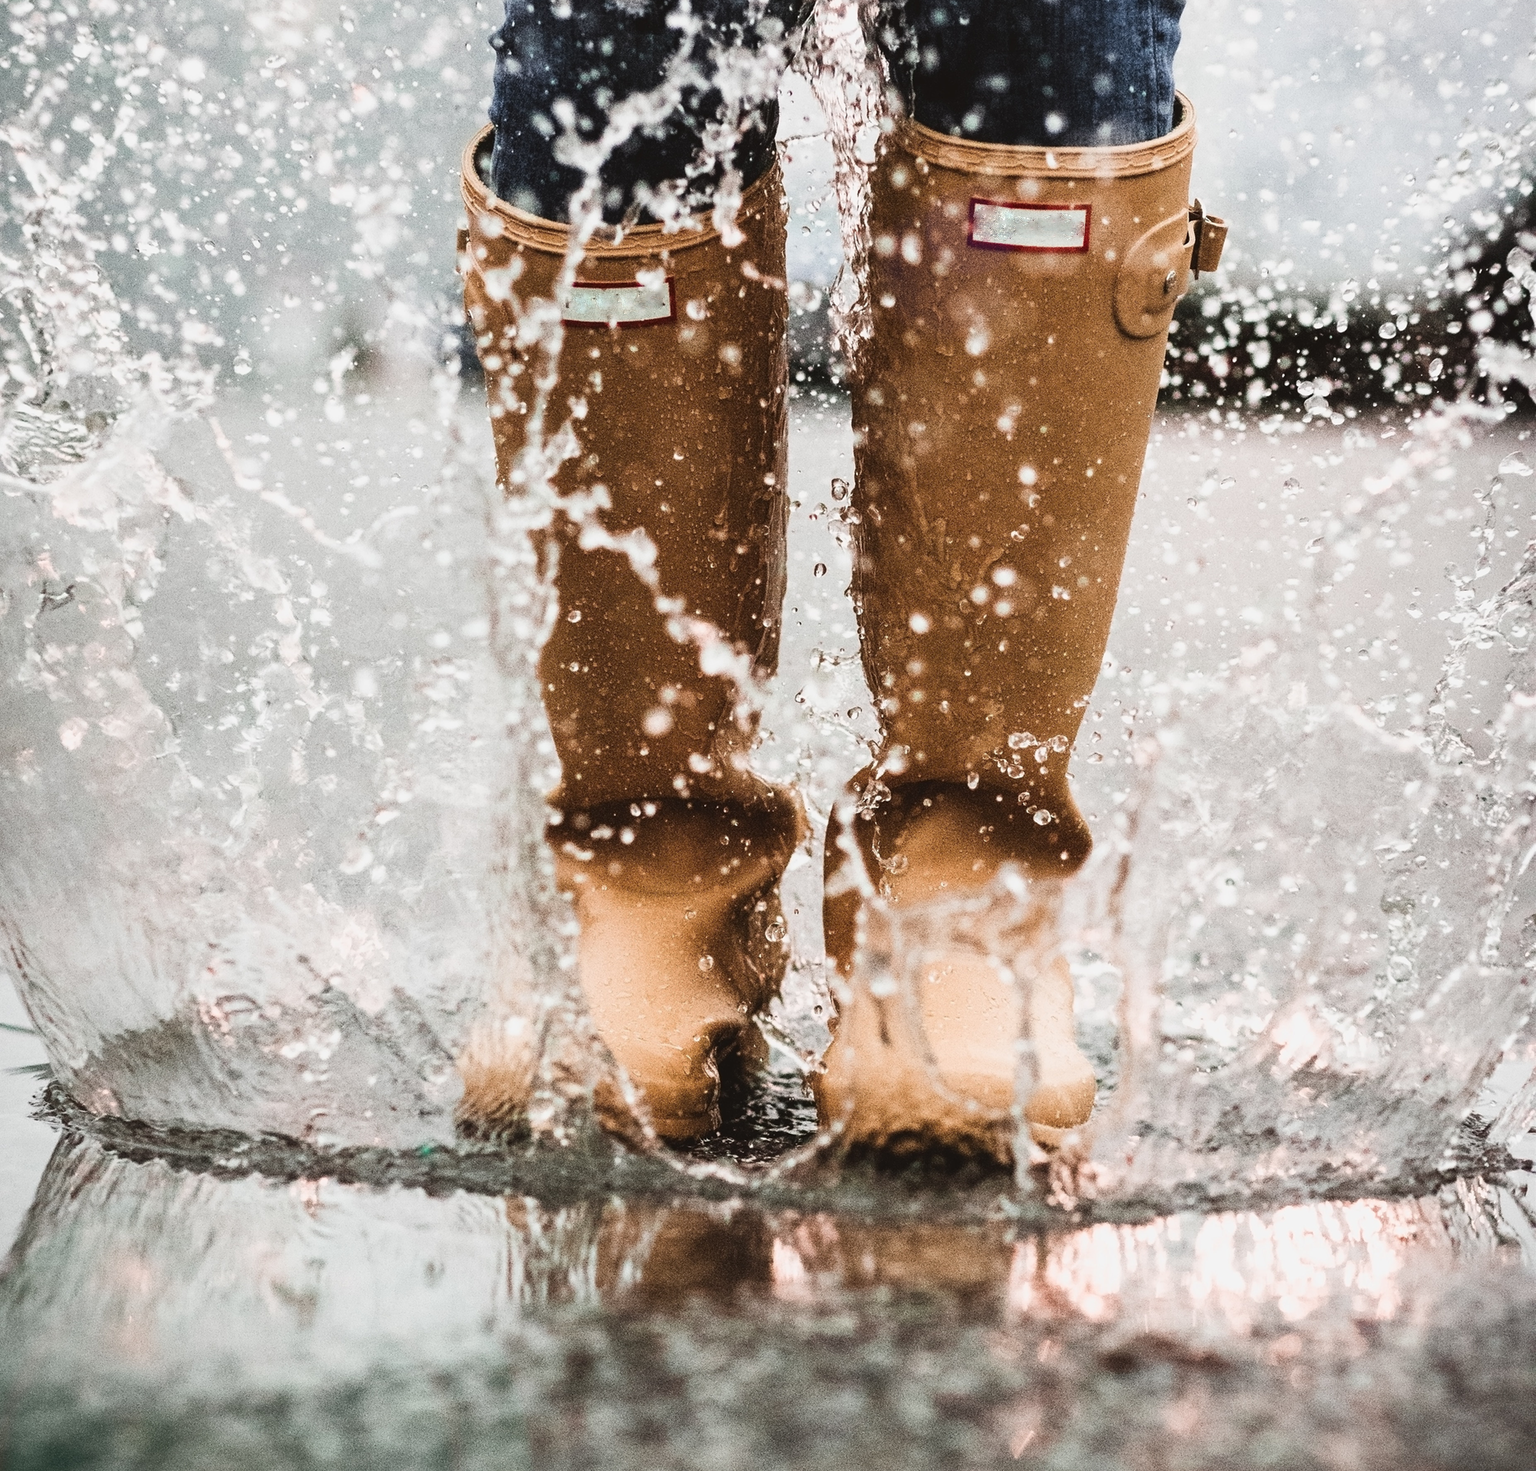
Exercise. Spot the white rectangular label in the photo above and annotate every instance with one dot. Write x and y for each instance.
(1029, 226)
(616, 303)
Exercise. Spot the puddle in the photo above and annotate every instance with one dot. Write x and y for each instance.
(157, 1316)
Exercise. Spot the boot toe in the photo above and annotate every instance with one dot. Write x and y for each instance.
(1062, 1105)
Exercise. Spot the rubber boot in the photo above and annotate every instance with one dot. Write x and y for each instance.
(672, 384)
(928, 1065)
(1021, 301)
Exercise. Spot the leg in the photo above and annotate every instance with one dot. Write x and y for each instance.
(1023, 278)
(570, 70)
(672, 370)
(1044, 73)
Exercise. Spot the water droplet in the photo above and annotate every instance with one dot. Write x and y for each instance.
(706, 962)
(1514, 465)
(973, 779)
(819, 570)
(777, 929)
(1042, 818)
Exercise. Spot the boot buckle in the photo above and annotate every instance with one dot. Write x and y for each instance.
(1153, 274)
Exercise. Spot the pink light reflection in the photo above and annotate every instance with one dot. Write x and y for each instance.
(1231, 1270)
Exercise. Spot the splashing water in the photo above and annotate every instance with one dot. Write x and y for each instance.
(273, 760)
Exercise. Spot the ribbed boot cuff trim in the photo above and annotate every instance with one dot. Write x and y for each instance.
(642, 240)
(1017, 161)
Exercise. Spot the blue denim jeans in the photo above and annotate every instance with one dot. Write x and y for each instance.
(592, 53)
(1079, 73)
(1072, 72)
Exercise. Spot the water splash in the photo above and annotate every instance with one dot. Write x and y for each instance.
(273, 743)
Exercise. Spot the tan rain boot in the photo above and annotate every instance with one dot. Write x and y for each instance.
(1021, 301)
(673, 375)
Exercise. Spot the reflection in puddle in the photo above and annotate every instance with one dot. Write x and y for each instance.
(141, 1297)
(1232, 1271)
(185, 1260)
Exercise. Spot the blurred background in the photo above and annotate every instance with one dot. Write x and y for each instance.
(275, 186)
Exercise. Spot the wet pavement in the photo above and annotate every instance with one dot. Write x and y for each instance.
(152, 1316)
(197, 1301)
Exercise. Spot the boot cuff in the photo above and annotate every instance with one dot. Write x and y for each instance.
(491, 217)
(1122, 162)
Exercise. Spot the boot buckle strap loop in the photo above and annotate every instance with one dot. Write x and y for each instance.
(1210, 232)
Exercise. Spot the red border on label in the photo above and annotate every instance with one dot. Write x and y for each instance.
(609, 326)
(975, 244)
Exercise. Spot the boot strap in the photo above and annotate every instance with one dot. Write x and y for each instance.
(1210, 239)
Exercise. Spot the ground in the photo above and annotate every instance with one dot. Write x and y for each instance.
(155, 1315)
